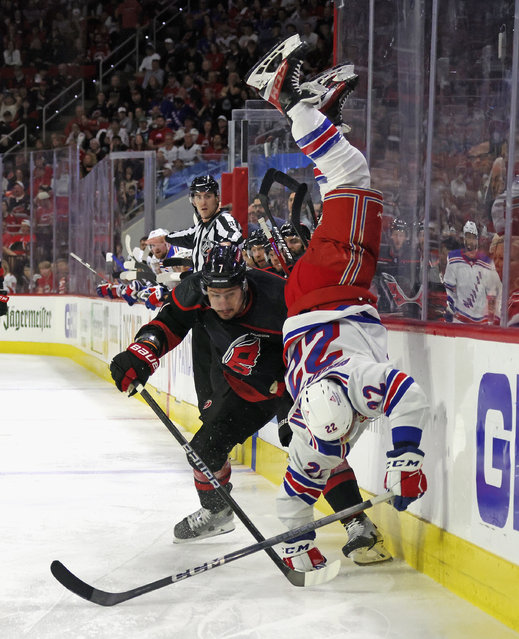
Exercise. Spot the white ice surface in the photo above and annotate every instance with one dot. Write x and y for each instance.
(92, 478)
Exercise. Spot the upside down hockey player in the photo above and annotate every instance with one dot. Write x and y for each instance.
(335, 345)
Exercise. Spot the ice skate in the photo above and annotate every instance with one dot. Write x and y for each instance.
(365, 544)
(339, 82)
(202, 524)
(338, 73)
(276, 75)
(302, 555)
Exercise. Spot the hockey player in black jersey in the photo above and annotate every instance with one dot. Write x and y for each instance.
(242, 312)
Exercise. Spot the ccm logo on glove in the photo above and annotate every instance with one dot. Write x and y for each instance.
(404, 475)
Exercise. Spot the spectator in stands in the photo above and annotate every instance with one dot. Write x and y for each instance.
(99, 50)
(205, 137)
(115, 130)
(44, 279)
(156, 72)
(12, 56)
(125, 122)
(7, 126)
(10, 104)
(149, 55)
(167, 54)
(190, 152)
(88, 161)
(44, 213)
(157, 134)
(168, 152)
(216, 149)
(128, 13)
(99, 109)
(95, 147)
(9, 279)
(42, 173)
(76, 137)
(18, 202)
(222, 127)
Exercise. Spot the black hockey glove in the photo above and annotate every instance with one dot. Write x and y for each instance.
(3, 303)
(135, 364)
(283, 410)
(284, 432)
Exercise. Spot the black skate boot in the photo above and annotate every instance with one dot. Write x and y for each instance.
(365, 544)
(214, 518)
(202, 524)
(339, 82)
(276, 75)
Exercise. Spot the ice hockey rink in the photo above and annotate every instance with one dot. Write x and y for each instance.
(92, 478)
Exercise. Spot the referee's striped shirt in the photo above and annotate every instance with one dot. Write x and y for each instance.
(204, 235)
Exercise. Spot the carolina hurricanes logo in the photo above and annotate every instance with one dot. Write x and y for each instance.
(242, 354)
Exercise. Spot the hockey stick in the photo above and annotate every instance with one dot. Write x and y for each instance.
(87, 265)
(398, 295)
(275, 247)
(104, 598)
(142, 268)
(301, 190)
(297, 578)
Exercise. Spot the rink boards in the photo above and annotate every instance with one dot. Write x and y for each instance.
(464, 532)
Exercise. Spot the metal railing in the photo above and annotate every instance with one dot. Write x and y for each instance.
(16, 145)
(78, 97)
(116, 58)
(160, 21)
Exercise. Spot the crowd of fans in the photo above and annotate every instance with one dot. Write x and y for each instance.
(177, 98)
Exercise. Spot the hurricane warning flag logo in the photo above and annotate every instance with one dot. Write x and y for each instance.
(242, 354)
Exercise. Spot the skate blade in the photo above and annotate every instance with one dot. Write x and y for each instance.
(221, 530)
(260, 74)
(338, 73)
(375, 555)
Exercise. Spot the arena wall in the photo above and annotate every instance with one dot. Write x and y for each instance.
(464, 532)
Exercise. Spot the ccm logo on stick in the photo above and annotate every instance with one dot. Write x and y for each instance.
(497, 481)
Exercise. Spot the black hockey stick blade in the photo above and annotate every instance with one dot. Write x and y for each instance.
(313, 577)
(100, 597)
(177, 261)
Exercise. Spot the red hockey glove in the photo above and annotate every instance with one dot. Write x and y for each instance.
(104, 289)
(404, 475)
(153, 296)
(3, 303)
(129, 294)
(135, 364)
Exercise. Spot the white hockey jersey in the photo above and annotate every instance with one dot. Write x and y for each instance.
(470, 282)
(350, 345)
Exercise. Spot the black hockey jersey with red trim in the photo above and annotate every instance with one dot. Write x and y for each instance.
(248, 347)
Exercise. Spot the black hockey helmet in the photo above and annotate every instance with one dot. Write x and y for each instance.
(204, 183)
(256, 238)
(287, 230)
(224, 267)
(399, 225)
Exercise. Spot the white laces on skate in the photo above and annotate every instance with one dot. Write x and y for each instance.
(355, 528)
(199, 518)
